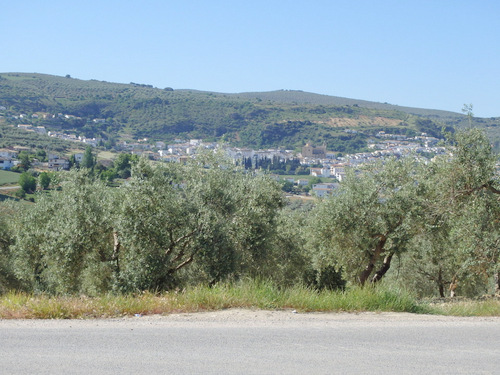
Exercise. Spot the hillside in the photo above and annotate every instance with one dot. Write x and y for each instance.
(287, 119)
(301, 97)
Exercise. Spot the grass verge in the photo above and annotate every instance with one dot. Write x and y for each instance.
(249, 294)
(489, 307)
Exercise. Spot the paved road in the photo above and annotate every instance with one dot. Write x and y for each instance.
(242, 342)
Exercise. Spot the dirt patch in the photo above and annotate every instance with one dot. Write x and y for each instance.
(345, 122)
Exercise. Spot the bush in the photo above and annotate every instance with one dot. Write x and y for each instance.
(326, 278)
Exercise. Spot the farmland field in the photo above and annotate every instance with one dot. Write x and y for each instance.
(7, 177)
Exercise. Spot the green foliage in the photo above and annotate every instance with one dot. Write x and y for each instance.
(41, 155)
(27, 182)
(62, 242)
(173, 215)
(44, 180)
(368, 219)
(288, 261)
(88, 160)
(326, 278)
(89, 238)
(275, 119)
(431, 128)
(7, 278)
(123, 165)
(439, 219)
(21, 194)
(11, 136)
(348, 144)
(208, 221)
(24, 162)
(459, 246)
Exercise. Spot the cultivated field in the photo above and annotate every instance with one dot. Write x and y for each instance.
(7, 178)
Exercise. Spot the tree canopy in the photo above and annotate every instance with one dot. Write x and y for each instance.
(440, 217)
(170, 225)
(88, 237)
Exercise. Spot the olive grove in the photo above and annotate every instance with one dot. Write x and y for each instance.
(432, 226)
(90, 238)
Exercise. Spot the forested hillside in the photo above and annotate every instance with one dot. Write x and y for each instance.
(259, 120)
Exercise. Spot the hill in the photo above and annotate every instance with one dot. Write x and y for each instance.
(282, 118)
(302, 97)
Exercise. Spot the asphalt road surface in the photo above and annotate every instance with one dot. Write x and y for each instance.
(253, 342)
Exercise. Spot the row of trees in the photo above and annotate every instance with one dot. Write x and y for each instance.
(172, 225)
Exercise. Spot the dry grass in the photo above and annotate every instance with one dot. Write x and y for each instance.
(249, 294)
(485, 307)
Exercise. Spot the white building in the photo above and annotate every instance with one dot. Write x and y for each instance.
(324, 189)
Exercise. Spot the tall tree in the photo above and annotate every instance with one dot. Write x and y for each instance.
(44, 180)
(88, 160)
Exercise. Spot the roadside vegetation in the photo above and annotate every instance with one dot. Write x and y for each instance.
(245, 294)
(209, 235)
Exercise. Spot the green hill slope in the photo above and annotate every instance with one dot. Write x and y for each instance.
(297, 96)
(279, 118)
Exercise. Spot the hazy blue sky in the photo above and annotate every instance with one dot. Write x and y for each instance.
(432, 54)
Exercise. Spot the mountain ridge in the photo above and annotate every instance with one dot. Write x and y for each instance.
(284, 96)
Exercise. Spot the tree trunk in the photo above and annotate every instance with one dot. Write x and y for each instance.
(116, 251)
(383, 269)
(497, 283)
(440, 283)
(453, 286)
(379, 249)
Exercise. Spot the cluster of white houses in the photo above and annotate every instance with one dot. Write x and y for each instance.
(8, 160)
(332, 165)
(67, 137)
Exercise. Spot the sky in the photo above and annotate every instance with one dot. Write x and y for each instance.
(438, 54)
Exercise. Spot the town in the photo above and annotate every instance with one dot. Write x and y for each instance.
(314, 160)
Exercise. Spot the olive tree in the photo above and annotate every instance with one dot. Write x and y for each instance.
(456, 246)
(206, 215)
(27, 182)
(7, 277)
(368, 220)
(468, 194)
(167, 225)
(63, 243)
